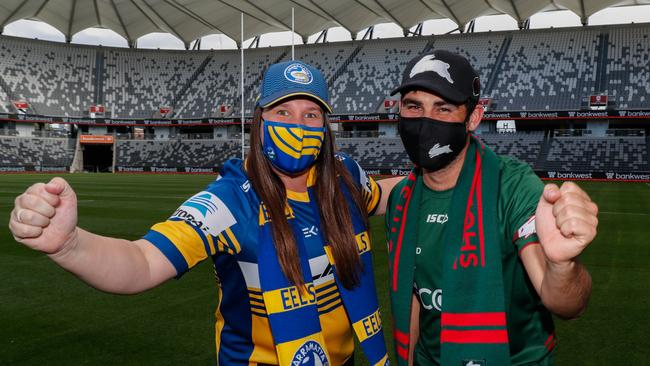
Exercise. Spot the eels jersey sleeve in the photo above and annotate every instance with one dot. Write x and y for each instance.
(370, 190)
(202, 226)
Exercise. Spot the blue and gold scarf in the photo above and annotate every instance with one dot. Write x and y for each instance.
(293, 313)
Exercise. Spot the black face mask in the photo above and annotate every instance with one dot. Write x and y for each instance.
(432, 144)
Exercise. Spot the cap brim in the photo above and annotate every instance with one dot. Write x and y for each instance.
(449, 94)
(275, 98)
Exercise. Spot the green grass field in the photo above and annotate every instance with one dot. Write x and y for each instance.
(48, 317)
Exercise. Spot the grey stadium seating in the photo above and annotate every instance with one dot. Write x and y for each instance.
(544, 69)
(219, 82)
(138, 82)
(376, 153)
(175, 153)
(597, 154)
(39, 152)
(4, 101)
(547, 70)
(372, 73)
(56, 79)
(523, 146)
(627, 67)
(481, 49)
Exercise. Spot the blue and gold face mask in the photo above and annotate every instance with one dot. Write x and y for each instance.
(290, 147)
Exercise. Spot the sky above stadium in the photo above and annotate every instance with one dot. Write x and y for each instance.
(96, 36)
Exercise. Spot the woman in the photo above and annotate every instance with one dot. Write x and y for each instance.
(286, 230)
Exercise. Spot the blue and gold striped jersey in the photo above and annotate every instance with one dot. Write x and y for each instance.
(223, 223)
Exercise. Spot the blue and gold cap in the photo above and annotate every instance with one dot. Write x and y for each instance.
(291, 78)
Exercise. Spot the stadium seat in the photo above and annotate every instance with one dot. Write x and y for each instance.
(36, 152)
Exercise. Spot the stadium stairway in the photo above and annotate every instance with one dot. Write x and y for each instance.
(344, 66)
(601, 69)
(255, 84)
(428, 47)
(98, 93)
(5, 87)
(647, 148)
(487, 88)
(199, 70)
(543, 153)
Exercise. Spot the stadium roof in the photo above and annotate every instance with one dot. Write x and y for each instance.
(191, 19)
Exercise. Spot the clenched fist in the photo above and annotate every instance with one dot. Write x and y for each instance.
(566, 221)
(45, 216)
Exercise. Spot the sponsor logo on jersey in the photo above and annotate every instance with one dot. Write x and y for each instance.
(321, 269)
(527, 229)
(437, 218)
(202, 203)
(328, 272)
(298, 73)
(251, 274)
(310, 353)
(430, 299)
(207, 212)
(246, 186)
(308, 232)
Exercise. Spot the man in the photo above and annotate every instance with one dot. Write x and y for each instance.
(479, 231)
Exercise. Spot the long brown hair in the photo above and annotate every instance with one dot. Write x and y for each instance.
(336, 221)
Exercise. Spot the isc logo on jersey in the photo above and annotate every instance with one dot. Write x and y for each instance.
(437, 218)
(206, 211)
(310, 353)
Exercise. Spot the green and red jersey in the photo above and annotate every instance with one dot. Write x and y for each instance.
(527, 319)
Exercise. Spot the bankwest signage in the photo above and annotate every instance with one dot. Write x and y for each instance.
(553, 175)
(376, 117)
(568, 114)
(33, 168)
(610, 176)
(175, 170)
